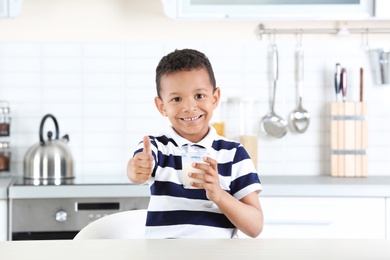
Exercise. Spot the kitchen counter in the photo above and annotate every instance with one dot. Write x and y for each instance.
(4, 183)
(114, 186)
(198, 249)
(79, 191)
(273, 186)
(325, 186)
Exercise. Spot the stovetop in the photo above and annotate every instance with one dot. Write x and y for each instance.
(87, 186)
(78, 180)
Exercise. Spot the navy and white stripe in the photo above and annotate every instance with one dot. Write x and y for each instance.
(176, 212)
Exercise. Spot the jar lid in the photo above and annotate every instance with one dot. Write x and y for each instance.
(4, 145)
(4, 110)
(4, 107)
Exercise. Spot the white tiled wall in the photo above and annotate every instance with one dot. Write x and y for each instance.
(102, 96)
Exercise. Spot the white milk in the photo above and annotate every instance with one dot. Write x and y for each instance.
(191, 155)
(187, 168)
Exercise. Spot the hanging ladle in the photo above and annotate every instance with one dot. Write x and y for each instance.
(271, 123)
(299, 118)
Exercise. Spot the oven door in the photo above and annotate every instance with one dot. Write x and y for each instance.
(62, 218)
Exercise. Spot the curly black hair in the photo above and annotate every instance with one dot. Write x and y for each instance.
(183, 60)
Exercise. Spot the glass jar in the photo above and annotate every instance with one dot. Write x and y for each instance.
(5, 118)
(241, 116)
(241, 119)
(5, 157)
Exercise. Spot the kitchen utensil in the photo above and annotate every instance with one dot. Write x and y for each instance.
(271, 123)
(49, 159)
(337, 82)
(343, 84)
(299, 118)
(380, 63)
(361, 85)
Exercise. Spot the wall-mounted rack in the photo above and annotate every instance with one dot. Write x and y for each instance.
(343, 30)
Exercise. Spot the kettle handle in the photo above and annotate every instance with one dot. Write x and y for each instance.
(41, 127)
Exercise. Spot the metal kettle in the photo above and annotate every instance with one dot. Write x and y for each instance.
(49, 159)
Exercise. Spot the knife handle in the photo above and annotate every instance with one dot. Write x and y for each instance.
(337, 81)
(343, 84)
(361, 85)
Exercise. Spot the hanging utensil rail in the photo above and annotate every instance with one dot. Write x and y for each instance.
(261, 31)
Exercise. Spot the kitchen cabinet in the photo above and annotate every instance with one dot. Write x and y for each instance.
(388, 218)
(4, 183)
(3, 220)
(323, 217)
(272, 10)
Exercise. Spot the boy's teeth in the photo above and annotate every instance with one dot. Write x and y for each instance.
(191, 118)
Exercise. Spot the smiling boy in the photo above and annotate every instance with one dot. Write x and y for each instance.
(227, 200)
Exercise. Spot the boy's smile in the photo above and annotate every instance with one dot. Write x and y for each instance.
(188, 100)
(191, 119)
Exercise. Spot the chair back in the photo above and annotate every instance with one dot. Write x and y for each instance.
(122, 225)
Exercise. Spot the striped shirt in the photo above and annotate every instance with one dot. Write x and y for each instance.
(176, 212)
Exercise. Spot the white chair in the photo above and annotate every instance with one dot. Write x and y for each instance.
(122, 225)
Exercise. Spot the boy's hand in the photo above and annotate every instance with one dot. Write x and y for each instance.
(141, 165)
(211, 179)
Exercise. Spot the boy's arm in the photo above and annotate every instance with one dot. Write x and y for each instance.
(140, 167)
(246, 214)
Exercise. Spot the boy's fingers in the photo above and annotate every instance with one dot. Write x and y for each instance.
(147, 144)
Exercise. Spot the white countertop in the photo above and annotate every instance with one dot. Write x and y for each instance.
(110, 186)
(289, 186)
(325, 186)
(273, 249)
(79, 191)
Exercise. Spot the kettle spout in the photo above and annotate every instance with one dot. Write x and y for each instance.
(65, 138)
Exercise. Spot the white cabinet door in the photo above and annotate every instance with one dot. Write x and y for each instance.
(388, 218)
(321, 217)
(3, 220)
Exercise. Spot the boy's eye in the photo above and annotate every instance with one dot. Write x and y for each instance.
(199, 96)
(176, 99)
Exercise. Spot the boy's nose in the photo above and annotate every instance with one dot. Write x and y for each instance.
(189, 105)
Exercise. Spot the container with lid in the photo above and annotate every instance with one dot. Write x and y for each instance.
(5, 118)
(240, 116)
(380, 64)
(5, 157)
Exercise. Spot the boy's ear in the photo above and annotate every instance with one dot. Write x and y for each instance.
(217, 96)
(160, 106)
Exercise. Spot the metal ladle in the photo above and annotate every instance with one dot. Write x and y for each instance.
(299, 118)
(271, 123)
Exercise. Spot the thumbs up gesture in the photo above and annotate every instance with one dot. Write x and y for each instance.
(147, 149)
(140, 167)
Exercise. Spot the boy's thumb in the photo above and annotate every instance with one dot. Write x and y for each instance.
(147, 144)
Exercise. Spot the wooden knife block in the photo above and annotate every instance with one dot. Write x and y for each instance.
(349, 139)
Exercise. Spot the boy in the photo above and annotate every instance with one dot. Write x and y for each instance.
(228, 198)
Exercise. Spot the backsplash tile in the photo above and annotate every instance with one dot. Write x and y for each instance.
(16, 49)
(102, 96)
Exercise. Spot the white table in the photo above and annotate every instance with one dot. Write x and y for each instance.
(204, 249)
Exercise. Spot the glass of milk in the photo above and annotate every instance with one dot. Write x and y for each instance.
(190, 155)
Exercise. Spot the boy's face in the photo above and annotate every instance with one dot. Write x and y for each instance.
(188, 100)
